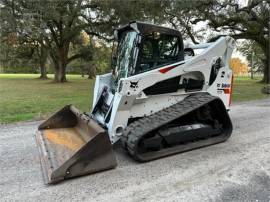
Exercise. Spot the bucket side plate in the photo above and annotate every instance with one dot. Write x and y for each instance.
(80, 149)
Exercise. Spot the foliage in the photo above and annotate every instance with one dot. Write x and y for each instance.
(249, 21)
(56, 24)
(95, 57)
(238, 67)
(15, 57)
(102, 58)
(18, 32)
(254, 55)
(59, 26)
(179, 14)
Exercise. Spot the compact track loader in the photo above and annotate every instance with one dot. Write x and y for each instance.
(162, 98)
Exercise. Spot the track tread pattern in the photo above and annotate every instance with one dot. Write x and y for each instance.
(137, 129)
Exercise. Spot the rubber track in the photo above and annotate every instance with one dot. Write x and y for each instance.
(137, 129)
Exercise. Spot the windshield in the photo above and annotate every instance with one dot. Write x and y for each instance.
(124, 54)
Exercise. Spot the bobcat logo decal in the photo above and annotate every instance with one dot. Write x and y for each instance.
(134, 84)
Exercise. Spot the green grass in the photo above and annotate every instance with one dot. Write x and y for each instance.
(245, 89)
(24, 97)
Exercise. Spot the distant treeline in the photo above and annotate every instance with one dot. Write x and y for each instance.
(62, 36)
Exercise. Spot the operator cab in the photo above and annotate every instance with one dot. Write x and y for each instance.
(141, 47)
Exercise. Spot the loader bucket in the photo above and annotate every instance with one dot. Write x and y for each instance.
(71, 144)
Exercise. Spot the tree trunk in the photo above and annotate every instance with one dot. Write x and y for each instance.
(266, 72)
(42, 61)
(251, 73)
(266, 69)
(60, 65)
(60, 74)
(43, 71)
(252, 63)
(91, 71)
(82, 71)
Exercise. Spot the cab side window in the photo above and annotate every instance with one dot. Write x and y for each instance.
(146, 56)
(168, 48)
(155, 52)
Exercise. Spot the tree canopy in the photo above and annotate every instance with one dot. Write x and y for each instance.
(249, 21)
(53, 30)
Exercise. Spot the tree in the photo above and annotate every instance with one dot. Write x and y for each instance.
(42, 53)
(179, 16)
(238, 66)
(55, 25)
(101, 62)
(249, 21)
(59, 23)
(62, 26)
(16, 56)
(254, 55)
(21, 27)
(83, 47)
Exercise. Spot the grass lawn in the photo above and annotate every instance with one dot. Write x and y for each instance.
(23, 97)
(245, 89)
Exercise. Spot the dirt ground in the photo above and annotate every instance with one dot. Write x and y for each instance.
(237, 170)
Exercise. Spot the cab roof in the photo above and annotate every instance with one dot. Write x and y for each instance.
(146, 28)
